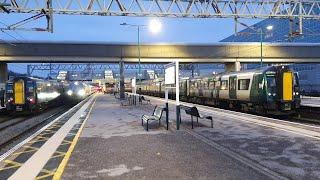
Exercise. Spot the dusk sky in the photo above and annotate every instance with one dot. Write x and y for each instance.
(107, 29)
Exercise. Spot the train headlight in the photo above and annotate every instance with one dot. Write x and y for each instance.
(81, 92)
(69, 92)
(274, 94)
(269, 94)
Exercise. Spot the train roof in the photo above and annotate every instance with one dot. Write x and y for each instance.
(250, 71)
(31, 78)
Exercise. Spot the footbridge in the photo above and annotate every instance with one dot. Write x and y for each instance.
(232, 54)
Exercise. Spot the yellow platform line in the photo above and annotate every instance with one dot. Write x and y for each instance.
(14, 164)
(30, 147)
(9, 167)
(51, 132)
(59, 153)
(18, 153)
(64, 162)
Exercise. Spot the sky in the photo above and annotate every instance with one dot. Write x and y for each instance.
(107, 29)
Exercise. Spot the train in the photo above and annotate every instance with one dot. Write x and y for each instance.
(272, 90)
(29, 95)
(79, 90)
(32, 94)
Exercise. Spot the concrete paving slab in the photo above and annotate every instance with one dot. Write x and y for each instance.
(291, 154)
(113, 145)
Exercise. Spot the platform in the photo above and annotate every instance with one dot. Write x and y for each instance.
(113, 144)
(108, 142)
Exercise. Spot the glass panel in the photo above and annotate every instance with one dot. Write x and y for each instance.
(271, 84)
(243, 84)
(224, 85)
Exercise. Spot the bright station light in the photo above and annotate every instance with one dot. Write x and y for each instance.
(269, 27)
(155, 26)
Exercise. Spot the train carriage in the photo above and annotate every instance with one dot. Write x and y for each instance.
(269, 90)
(31, 94)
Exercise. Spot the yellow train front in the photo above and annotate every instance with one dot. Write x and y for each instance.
(27, 94)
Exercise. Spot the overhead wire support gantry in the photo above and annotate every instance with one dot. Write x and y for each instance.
(306, 9)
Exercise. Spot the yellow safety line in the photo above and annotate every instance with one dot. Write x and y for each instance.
(63, 164)
(44, 176)
(12, 162)
(9, 167)
(17, 153)
(52, 132)
(30, 147)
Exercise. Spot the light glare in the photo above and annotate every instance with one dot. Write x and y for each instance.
(155, 26)
(269, 28)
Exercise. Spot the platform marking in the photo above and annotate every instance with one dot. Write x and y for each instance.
(49, 173)
(13, 163)
(12, 150)
(39, 159)
(64, 162)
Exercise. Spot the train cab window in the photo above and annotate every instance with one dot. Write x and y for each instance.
(224, 85)
(9, 88)
(30, 86)
(271, 83)
(243, 84)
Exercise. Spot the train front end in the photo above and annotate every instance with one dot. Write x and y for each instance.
(282, 91)
(20, 95)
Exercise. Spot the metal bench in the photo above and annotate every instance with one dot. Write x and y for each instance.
(156, 116)
(193, 112)
(142, 99)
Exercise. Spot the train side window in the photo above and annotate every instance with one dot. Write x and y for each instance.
(243, 84)
(211, 84)
(224, 85)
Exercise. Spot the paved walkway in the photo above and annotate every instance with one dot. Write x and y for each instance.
(114, 145)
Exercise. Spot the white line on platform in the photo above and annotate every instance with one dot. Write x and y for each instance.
(252, 119)
(31, 168)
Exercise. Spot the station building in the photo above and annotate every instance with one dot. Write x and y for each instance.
(287, 31)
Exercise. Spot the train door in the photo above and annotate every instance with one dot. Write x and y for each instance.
(233, 87)
(19, 92)
(287, 86)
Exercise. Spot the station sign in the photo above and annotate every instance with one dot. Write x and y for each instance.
(170, 74)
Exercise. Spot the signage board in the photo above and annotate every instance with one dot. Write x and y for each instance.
(133, 82)
(170, 75)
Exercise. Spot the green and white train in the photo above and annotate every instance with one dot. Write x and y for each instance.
(269, 90)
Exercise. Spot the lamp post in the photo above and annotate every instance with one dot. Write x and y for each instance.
(154, 27)
(138, 41)
(260, 31)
